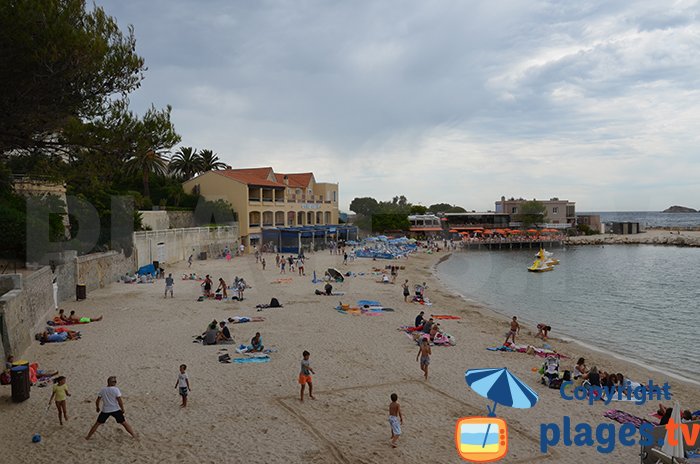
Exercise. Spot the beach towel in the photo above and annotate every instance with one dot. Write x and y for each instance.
(501, 348)
(445, 317)
(256, 359)
(368, 303)
(626, 418)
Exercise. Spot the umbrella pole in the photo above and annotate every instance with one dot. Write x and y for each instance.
(492, 413)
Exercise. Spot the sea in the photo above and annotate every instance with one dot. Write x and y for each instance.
(639, 302)
(651, 218)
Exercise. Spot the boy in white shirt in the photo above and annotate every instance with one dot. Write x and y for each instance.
(183, 384)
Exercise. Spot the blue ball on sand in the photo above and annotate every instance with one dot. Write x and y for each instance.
(36, 438)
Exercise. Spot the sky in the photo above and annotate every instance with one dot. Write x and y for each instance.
(460, 102)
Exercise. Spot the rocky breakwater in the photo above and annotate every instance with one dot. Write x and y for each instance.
(653, 237)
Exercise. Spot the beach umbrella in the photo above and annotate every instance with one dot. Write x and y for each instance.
(453, 231)
(501, 387)
(678, 450)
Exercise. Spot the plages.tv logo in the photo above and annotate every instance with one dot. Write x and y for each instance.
(485, 438)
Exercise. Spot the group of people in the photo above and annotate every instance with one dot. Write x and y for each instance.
(221, 291)
(419, 290)
(292, 262)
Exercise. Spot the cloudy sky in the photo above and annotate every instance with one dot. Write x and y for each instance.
(442, 101)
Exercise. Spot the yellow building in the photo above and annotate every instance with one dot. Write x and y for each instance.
(264, 198)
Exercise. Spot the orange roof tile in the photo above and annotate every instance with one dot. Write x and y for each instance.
(300, 180)
(252, 176)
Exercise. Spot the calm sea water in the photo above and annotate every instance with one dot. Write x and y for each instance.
(651, 218)
(640, 302)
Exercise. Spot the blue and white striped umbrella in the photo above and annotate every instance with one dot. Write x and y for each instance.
(502, 387)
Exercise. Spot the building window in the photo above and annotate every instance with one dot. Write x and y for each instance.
(334, 198)
(514, 210)
(555, 210)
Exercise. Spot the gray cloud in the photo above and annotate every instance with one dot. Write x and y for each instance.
(441, 100)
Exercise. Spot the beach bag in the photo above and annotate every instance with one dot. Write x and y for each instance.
(274, 303)
(318, 292)
(218, 296)
(567, 376)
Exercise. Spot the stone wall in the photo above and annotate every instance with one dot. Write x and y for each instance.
(98, 270)
(155, 220)
(25, 309)
(171, 246)
(181, 219)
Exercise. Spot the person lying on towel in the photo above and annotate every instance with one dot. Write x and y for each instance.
(82, 320)
(57, 337)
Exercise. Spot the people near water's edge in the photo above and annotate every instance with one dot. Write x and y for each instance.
(169, 283)
(183, 385)
(514, 330)
(59, 394)
(543, 331)
(305, 376)
(424, 353)
(112, 406)
(395, 419)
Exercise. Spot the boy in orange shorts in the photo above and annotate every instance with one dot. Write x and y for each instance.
(305, 376)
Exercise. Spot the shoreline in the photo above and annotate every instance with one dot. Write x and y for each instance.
(566, 338)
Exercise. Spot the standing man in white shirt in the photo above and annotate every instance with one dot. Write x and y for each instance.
(112, 405)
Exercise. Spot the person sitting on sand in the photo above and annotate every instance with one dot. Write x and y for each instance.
(328, 288)
(224, 334)
(256, 342)
(82, 320)
(63, 317)
(385, 279)
(593, 377)
(580, 369)
(427, 326)
(419, 320)
(211, 335)
(434, 331)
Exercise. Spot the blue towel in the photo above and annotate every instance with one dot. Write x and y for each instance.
(368, 303)
(260, 359)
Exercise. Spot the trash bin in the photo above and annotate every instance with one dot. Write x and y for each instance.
(80, 292)
(203, 256)
(19, 381)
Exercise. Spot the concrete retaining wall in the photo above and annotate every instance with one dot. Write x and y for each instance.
(171, 246)
(98, 270)
(155, 220)
(25, 309)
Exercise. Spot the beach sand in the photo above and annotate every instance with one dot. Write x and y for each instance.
(251, 412)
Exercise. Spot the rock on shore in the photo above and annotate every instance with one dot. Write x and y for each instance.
(650, 237)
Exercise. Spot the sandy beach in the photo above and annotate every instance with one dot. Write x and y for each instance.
(251, 412)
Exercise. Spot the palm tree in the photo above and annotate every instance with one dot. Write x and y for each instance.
(147, 162)
(186, 162)
(210, 161)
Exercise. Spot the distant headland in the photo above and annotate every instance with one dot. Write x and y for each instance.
(679, 209)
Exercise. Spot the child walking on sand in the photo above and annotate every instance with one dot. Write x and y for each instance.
(305, 376)
(60, 392)
(183, 384)
(514, 329)
(395, 419)
(424, 352)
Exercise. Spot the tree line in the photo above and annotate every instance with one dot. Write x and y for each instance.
(67, 73)
(384, 216)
